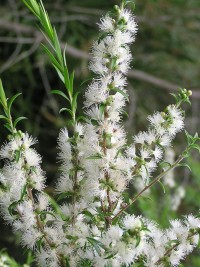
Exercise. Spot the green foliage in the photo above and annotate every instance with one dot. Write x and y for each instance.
(7, 261)
(55, 54)
(167, 48)
(7, 105)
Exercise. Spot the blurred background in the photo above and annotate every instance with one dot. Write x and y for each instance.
(166, 56)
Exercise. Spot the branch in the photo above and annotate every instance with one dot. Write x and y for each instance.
(172, 248)
(180, 158)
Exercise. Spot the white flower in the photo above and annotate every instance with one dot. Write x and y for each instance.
(140, 138)
(43, 202)
(94, 113)
(131, 222)
(95, 94)
(165, 140)
(79, 128)
(192, 222)
(156, 120)
(145, 154)
(119, 80)
(64, 184)
(158, 153)
(130, 20)
(106, 24)
(32, 157)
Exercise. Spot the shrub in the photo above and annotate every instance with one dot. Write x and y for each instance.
(87, 223)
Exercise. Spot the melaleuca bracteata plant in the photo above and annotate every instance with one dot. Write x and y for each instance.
(87, 223)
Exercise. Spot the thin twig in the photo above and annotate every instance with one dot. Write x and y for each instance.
(180, 158)
(172, 248)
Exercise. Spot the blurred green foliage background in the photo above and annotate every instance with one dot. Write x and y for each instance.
(166, 56)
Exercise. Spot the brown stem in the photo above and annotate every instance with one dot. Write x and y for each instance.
(180, 158)
(39, 223)
(110, 205)
(41, 227)
(74, 197)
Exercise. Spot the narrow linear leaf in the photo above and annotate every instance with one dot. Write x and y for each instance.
(162, 185)
(97, 156)
(7, 126)
(65, 195)
(121, 92)
(66, 109)
(10, 102)
(31, 4)
(82, 118)
(72, 82)
(59, 74)
(2, 117)
(18, 120)
(58, 92)
(57, 47)
(74, 102)
(184, 165)
(52, 58)
(2, 95)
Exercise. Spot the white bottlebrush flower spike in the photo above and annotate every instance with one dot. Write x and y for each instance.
(86, 225)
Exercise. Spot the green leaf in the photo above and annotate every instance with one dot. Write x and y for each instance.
(45, 22)
(97, 156)
(102, 108)
(7, 126)
(66, 109)
(18, 120)
(64, 195)
(96, 244)
(162, 185)
(23, 192)
(88, 214)
(82, 118)
(131, 3)
(32, 6)
(71, 81)
(54, 204)
(58, 92)
(17, 155)
(121, 92)
(12, 207)
(110, 256)
(165, 165)
(35, 6)
(74, 102)
(39, 243)
(67, 262)
(85, 81)
(53, 59)
(59, 74)
(67, 79)
(57, 47)
(126, 196)
(2, 117)
(184, 165)
(2, 95)
(138, 239)
(10, 102)
(195, 146)
(44, 213)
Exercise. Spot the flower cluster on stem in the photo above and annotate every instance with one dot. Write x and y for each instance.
(87, 224)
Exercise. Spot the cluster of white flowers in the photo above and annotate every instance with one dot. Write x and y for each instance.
(86, 226)
(138, 238)
(152, 143)
(20, 173)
